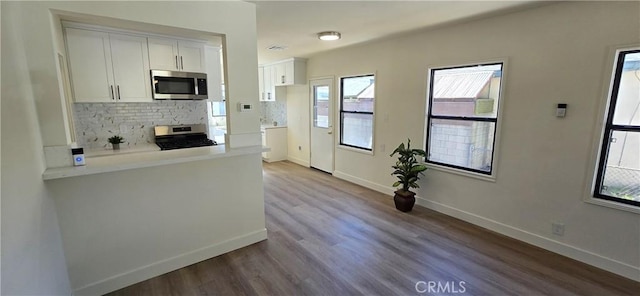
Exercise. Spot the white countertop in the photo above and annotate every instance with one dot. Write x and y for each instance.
(267, 126)
(124, 149)
(119, 161)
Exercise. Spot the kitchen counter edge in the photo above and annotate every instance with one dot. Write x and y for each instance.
(116, 163)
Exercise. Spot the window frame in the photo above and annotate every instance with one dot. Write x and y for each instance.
(465, 171)
(608, 127)
(341, 112)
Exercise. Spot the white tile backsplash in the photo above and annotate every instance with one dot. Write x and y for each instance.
(273, 111)
(96, 122)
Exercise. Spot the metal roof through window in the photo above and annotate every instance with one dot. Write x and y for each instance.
(465, 85)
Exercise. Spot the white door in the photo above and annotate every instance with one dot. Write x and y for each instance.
(321, 94)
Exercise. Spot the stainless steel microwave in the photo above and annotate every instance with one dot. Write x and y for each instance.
(175, 85)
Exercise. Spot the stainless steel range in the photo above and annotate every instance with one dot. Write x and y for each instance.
(169, 137)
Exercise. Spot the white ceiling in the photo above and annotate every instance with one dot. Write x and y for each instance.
(294, 24)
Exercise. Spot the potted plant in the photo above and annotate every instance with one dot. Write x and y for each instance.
(115, 141)
(408, 170)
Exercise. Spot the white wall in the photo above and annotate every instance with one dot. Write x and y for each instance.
(558, 53)
(298, 120)
(33, 116)
(33, 262)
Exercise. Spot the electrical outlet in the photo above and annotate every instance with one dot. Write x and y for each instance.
(557, 229)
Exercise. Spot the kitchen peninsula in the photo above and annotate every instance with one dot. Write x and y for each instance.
(133, 216)
(152, 158)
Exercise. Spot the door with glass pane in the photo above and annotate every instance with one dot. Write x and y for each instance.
(321, 137)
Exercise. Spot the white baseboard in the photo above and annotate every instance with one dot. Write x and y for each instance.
(298, 161)
(170, 264)
(572, 252)
(364, 183)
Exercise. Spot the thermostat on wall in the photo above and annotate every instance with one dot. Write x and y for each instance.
(561, 110)
(243, 107)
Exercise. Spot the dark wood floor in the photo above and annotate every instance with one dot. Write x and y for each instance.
(331, 237)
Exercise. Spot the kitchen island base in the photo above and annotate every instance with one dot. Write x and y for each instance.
(122, 227)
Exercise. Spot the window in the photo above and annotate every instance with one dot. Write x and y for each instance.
(321, 106)
(357, 96)
(462, 116)
(618, 176)
(218, 119)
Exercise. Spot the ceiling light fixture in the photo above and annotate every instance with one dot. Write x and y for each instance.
(329, 35)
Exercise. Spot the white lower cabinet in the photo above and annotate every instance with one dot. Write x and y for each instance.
(276, 139)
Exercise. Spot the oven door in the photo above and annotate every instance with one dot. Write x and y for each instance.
(171, 85)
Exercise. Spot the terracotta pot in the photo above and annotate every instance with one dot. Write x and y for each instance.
(116, 146)
(404, 200)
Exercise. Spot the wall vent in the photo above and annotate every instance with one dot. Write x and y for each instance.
(277, 47)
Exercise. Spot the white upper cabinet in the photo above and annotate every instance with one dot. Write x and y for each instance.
(191, 56)
(261, 83)
(176, 55)
(268, 83)
(130, 59)
(280, 74)
(290, 72)
(163, 54)
(108, 67)
(89, 56)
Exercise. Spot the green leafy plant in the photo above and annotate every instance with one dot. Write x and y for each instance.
(407, 168)
(116, 140)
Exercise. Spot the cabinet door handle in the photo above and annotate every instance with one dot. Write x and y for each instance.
(268, 96)
(282, 79)
(181, 63)
(118, 89)
(113, 97)
(177, 65)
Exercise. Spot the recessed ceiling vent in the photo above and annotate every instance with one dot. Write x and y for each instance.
(277, 47)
